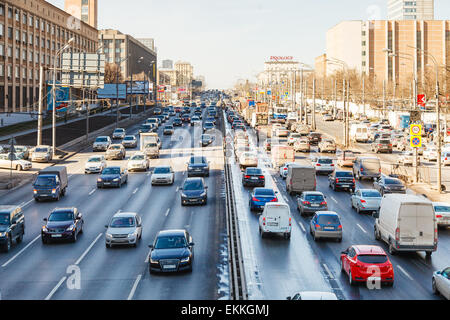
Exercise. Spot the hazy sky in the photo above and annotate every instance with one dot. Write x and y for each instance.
(227, 40)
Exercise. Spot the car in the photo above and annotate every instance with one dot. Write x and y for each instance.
(387, 184)
(248, 159)
(195, 121)
(12, 226)
(311, 202)
(162, 118)
(327, 145)
(275, 219)
(198, 166)
(341, 180)
(382, 145)
(302, 145)
(157, 111)
(326, 224)
(284, 169)
(177, 122)
(115, 152)
(168, 130)
(407, 158)
(211, 119)
(171, 251)
(366, 200)
(124, 228)
(112, 176)
(194, 191)
(147, 127)
(138, 162)
(442, 211)
(313, 295)
(314, 138)
(153, 121)
(42, 154)
(95, 164)
(62, 224)
(345, 158)
(12, 161)
(240, 127)
(440, 282)
(360, 261)
(327, 117)
(101, 143)
(206, 140)
(323, 165)
(186, 118)
(208, 126)
(119, 133)
(24, 150)
(294, 136)
(253, 177)
(260, 196)
(129, 141)
(166, 115)
(163, 175)
(430, 154)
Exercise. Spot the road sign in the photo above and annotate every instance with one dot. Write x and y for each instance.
(416, 142)
(421, 100)
(415, 130)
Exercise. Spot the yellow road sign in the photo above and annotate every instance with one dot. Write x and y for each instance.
(415, 130)
(416, 141)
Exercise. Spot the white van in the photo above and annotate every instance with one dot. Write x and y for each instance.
(276, 218)
(359, 133)
(407, 223)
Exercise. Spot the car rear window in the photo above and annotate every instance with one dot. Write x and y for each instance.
(325, 161)
(372, 258)
(371, 194)
(385, 141)
(254, 171)
(264, 192)
(344, 174)
(314, 197)
(441, 209)
(328, 219)
(392, 181)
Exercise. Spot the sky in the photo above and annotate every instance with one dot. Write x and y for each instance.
(228, 40)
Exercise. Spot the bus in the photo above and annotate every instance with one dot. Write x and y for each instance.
(279, 113)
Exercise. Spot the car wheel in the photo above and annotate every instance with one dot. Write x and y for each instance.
(314, 236)
(44, 240)
(19, 168)
(376, 234)
(350, 279)
(391, 249)
(7, 245)
(20, 238)
(342, 265)
(434, 287)
(81, 229)
(358, 210)
(74, 237)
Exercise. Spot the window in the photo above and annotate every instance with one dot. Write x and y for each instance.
(24, 55)
(30, 56)
(2, 9)
(24, 19)
(17, 53)
(2, 71)
(36, 24)
(30, 21)
(9, 13)
(30, 74)
(17, 16)
(24, 73)
(2, 50)
(30, 39)
(1, 29)
(10, 33)
(9, 71)
(24, 37)
(17, 35)
(17, 72)
(48, 44)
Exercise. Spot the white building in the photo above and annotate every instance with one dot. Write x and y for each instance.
(410, 9)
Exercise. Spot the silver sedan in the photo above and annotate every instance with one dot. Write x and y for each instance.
(366, 200)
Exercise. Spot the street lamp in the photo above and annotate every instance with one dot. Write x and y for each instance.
(117, 87)
(131, 86)
(66, 46)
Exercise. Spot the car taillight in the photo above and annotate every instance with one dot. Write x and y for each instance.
(306, 202)
(337, 180)
(438, 216)
(323, 203)
(290, 222)
(261, 177)
(340, 226)
(379, 145)
(353, 180)
(362, 169)
(318, 164)
(247, 177)
(274, 200)
(435, 236)
(317, 226)
(254, 199)
(332, 164)
(397, 234)
(264, 221)
(379, 170)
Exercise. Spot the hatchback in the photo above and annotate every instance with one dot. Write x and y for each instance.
(366, 200)
(253, 177)
(261, 196)
(125, 228)
(326, 224)
(194, 191)
(311, 201)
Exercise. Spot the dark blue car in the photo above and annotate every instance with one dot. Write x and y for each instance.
(260, 196)
(194, 192)
(198, 166)
(112, 177)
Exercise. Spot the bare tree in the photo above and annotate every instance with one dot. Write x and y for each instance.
(111, 73)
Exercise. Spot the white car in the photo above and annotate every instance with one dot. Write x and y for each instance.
(323, 165)
(95, 164)
(138, 161)
(163, 175)
(445, 158)
(129, 141)
(17, 163)
(430, 154)
(284, 169)
(119, 133)
(42, 154)
(313, 295)
(248, 159)
(440, 283)
(407, 158)
(442, 211)
(293, 137)
(101, 143)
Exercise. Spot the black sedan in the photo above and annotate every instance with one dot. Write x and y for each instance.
(206, 140)
(112, 177)
(386, 184)
(341, 180)
(198, 166)
(177, 122)
(314, 138)
(253, 177)
(172, 251)
(62, 224)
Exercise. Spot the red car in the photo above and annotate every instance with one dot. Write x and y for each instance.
(361, 262)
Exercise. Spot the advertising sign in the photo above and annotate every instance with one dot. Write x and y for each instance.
(112, 91)
(83, 70)
(421, 100)
(61, 99)
(139, 87)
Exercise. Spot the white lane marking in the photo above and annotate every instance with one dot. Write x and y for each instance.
(88, 249)
(406, 273)
(135, 190)
(301, 226)
(167, 212)
(178, 188)
(361, 228)
(18, 253)
(92, 191)
(56, 288)
(332, 198)
(147, 257)
(136, 282)
(328, 271)
(26, 203)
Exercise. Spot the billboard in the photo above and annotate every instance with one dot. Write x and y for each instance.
(61, 99)
(139, 87)
(112, 91)
(83, 70)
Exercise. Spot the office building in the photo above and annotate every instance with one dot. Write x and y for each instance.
(148, 42)
(84, 10)
(410, 9)
(184, 72)
(31, 32)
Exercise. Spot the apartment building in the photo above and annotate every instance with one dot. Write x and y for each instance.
(410, 9)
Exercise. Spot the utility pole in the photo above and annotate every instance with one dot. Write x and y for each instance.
(344, 111)
(364, 94)
(438, 128)
(306, 102)
(347, 142)
(313, 109)
(384, 98)
(335, 99)
(41, 80)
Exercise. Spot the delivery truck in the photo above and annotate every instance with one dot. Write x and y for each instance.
(50, 184)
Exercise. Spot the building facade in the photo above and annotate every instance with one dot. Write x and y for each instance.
(84, 10)
(126, 51)
(410, 9)
(148, 42)
(320, 66)
(31, 33)
(167, 64)
(184, 73)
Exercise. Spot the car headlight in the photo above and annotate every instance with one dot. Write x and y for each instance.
(153, 261)
(70, 228)
(186, 259)
(203, 194)
(116, 179)
(133, 234)
(99, 180)
(53, 190)
(108, 235)
(183, 195)
(44, 228)
(2, 234)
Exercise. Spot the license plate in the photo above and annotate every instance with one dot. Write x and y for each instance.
(328, 228)
(272, 224)
(106, 183)
(254, 178)
(373, 279)
(314, 205)
(169, 266)
(56, 236)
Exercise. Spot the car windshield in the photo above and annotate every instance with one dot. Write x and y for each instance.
(111, 171)
(44, 181)
(264, 193)
(138, 157)
(119, 130)
(61, 216)
(41, 150)
(101, 140)
(198, 160)
(345, 174)
(151, 145)
(193, 185)
(328, 219)
(385, 141)
(169, 127)
(170, 242)
(314, 197)
(114, 147)
(122, 222)
(392, 181)
(442, 208)
(128, 138)
(94, 160)
(372, 258)
(371, 194)
(4, 219)
(162, 170)
(254, 171)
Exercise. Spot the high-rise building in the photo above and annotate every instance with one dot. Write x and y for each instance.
(148, 42)
(84, 10)
(167, 64)
(185, 73)
(410, 9)
(31, 32)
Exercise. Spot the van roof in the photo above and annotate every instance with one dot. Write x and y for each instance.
(277, 204)
(406, 198)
